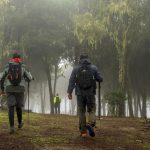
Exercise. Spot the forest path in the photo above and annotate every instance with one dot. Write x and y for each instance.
(60, 132)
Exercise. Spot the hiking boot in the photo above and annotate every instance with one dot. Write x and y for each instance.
(83, 134)
(90, 130)
(12, 130)
(20, 125)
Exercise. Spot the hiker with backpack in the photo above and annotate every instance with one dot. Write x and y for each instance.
(83, 78)
(14, 77)
(57, 101)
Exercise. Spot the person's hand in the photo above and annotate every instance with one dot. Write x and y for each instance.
(69, 96)
(2, 93)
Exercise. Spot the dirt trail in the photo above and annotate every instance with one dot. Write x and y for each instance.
(53, 132)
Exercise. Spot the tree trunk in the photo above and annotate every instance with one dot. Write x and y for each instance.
(65, 106)
(144, 112)
(122, 82)
(130, 103)
(55, 78)
(73, 106)
(103, 106)
(42, 93)
(51, 94)
(135, 106)
(48, 73)
(122, 59)
(139, 104)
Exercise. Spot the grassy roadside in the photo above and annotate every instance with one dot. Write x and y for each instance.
(44, 132)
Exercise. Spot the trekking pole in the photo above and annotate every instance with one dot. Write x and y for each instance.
(99, 100)
(28, 100)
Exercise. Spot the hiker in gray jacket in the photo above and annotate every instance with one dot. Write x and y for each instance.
(13, 84)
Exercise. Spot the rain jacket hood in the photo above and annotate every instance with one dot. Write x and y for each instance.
(84, 62)
(16, 60)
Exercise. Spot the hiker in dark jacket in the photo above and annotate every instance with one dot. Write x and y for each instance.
(85, 93)
(13, 84)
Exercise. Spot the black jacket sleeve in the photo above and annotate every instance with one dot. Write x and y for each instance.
(72, 81)
(97, 75)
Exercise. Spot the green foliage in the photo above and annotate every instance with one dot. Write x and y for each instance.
(89, 29)
(3, 2)
(126, 24)
(114, 100)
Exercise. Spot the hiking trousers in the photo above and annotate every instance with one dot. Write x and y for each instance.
(57, 108)
(86, 103)
(15, 100)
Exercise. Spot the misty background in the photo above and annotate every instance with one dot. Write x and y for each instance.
(51, 34)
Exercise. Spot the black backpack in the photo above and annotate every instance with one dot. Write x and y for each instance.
(85, 78)
(14, 73)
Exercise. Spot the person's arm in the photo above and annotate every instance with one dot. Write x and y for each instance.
(71, 83)
(27, 75)
(3, 77)
(97, 75)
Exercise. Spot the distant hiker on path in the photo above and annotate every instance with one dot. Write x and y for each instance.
(57, 101)
(14, 76)
(83, 78)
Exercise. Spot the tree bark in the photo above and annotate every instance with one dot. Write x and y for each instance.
(55, 78)
(144, 112)
(130, 103)
(122, 81)
(42, 91)
(135, 106)
(103, 106)
(48, 73)
(139, 104)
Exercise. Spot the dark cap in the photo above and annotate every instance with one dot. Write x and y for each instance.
(83, 56)
(16, 55)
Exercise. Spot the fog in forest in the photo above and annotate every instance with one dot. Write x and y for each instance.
(62, 85)
(50, 35)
